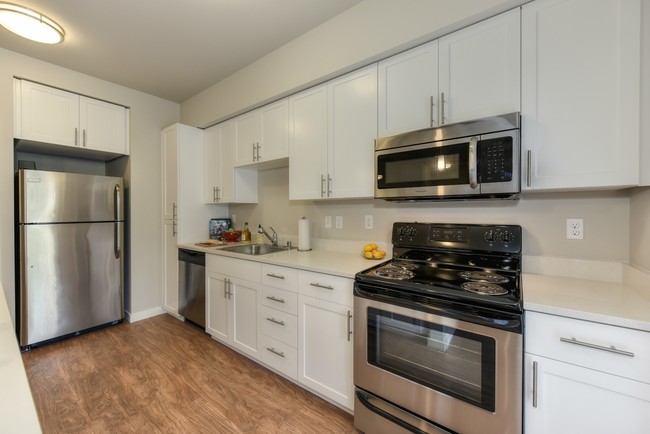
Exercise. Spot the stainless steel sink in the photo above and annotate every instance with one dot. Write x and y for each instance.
(256, 249)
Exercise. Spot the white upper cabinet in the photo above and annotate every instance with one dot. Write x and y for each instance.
(468, 74)
(261, 135)
(408, 90)
(580, 94)
(332, 132)
(480, 69)
(223, 183)
(48, 115)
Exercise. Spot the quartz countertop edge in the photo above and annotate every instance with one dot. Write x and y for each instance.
(343, 264)
(17, 409)
(623, 304)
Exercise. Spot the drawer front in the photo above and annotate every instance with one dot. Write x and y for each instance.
(240, 268)
(280, 299)
(615, 350)
(280, 325)
(326, 287)
(279, 356)
(280, 277)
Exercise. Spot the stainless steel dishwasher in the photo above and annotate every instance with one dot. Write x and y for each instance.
(191, 286)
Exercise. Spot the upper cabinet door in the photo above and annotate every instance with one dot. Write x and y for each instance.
(103, 126)
(480, 69)
(47, 115)
(408, 90)
(308, 143)
(246, 138)
(580, 94)
(170, 172)
(274, 131)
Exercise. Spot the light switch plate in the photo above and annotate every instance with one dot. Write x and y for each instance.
(328, 222)
(339, 222)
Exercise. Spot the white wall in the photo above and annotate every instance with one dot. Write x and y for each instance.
(148, 116)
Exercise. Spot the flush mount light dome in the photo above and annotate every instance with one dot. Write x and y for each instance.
(30, 24)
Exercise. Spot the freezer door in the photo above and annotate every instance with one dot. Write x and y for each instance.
(71, 279)
(51, 197)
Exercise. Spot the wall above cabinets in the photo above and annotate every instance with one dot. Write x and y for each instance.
(53, 121)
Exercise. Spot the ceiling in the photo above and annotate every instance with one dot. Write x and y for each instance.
(173, 49)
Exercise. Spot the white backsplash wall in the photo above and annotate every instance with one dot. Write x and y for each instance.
(542, 216)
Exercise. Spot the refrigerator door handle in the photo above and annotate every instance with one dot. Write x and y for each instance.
(117, 248)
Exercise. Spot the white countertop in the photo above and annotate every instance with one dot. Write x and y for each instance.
(17, 410)
(624, 304)
(339, 263)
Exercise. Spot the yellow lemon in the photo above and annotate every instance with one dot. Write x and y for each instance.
(368, 248)
(367, 255)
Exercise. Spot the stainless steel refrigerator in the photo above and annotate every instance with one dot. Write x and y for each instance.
(70, 253)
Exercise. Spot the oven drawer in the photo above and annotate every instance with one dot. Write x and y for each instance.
(615, 350)
(280, 299)
(326, 287)
(280, 277)
(279, 356)
(280, 325)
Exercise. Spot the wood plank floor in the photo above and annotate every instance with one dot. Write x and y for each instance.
(161, 375)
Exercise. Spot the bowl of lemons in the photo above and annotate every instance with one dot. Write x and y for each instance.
(371, 251)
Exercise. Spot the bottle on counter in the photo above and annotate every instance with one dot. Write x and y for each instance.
(246, 233)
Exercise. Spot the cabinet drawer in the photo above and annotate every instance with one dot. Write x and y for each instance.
(615, 350)
(280, 299)
(280, 325)
(279, 356)
(326, 287)
(240, 268)
(280, 277)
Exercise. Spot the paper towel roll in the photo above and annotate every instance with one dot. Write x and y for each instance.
(303, 235)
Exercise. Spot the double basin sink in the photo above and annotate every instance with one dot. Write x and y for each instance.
(256, 249)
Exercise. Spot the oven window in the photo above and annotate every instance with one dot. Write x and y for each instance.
(455, 362)
(444, 165)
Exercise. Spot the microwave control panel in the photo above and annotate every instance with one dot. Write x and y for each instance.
(495, 160)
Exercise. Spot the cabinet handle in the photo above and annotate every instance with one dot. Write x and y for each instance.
(535, 384)
(276, 321)
(322, 186)
(76, 136)
(349, 325)
(432, 106)
(442, 108)
(174, 230)
(610, 349)
(174, 210)
(318, 285)
(529, 165)
(218, 194)
(274, 351)
(329, 185)
(225, 287)
(84, 138)
(258, 151)
(277, 276)
(279, 300)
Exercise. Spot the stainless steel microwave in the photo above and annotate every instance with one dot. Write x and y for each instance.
(477, 159)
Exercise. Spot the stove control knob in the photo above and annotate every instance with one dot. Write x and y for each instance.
(489, 236)
(506, 237)
(412, 232)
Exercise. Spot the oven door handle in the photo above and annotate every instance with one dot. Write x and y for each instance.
(397, 416)
(473, 177)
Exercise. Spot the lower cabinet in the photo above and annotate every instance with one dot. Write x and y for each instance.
(584, 377)
(233, 303)
(325, 341)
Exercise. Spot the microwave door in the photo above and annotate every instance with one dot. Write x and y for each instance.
(426, 170)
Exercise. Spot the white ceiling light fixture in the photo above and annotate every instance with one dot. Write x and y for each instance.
(30, 24)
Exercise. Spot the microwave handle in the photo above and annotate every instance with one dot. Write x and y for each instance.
(473, 179)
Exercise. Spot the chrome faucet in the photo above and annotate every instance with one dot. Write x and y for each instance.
(273, 238)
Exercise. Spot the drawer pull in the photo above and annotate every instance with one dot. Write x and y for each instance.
(318, 285)
(277, 321)
(279, 300)
(277, 276)
(611, 349)
(274, 351)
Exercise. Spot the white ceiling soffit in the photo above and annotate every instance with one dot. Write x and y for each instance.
(173, 49)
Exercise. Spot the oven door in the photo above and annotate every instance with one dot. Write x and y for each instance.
(427, 170)
(459, 375)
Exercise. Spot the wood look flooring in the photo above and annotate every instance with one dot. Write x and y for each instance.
(161, 375)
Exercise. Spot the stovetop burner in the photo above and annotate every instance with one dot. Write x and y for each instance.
(483, 288)
(391, 271)
(482, 276)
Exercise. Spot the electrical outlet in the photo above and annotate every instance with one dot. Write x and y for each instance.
(233, 219)
(328, 222)
(368, 222)
(575, 229)
(339, 222)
